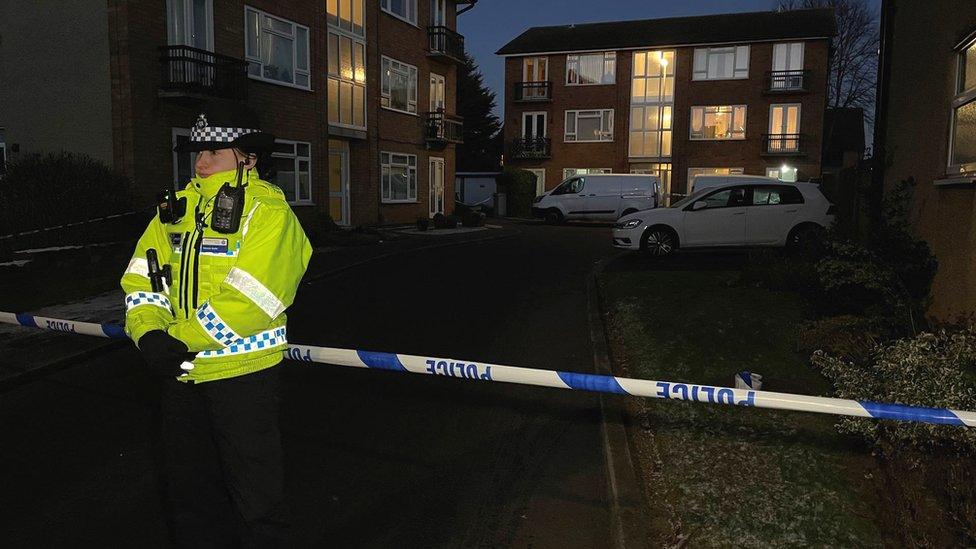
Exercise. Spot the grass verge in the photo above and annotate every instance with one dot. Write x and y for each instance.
(717, 475)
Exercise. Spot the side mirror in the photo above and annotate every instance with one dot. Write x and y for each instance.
(699, 205)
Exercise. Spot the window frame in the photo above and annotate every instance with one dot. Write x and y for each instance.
(386, 7)
(695, 72)
(338, 17)
(704, 112)
(389, 166)
(388, 95)
(576, 118)
(296, 158)
(256, 57)
(606, 56)
(961, 97)
(746, 202)
(340, 80)
(779, 189)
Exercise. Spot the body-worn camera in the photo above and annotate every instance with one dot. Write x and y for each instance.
(171, 209)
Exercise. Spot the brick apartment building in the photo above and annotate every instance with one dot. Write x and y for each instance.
(360, 94)
(925, 127)
(677, 97)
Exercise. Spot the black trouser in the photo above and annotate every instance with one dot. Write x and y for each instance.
(222, 470)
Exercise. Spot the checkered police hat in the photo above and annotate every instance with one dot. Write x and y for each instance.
(227, 124)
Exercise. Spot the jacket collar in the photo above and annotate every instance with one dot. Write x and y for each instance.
(207, 187)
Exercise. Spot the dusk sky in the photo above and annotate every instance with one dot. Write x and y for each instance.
(492, 23)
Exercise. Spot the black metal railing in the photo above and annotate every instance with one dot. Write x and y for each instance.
(443, 128)
(187, 70)
(531, 147)
(787, 81)
(533, 91)
(446, 42)
(783, 143)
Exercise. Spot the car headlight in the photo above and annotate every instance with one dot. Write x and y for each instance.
(629, 224)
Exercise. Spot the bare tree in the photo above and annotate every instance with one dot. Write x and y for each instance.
(854, 52)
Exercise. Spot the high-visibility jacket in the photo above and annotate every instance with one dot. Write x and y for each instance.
(229, 291)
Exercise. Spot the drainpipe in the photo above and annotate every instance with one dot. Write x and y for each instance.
(466, 8)
(880, 152)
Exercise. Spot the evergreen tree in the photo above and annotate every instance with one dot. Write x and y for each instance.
(481, 150)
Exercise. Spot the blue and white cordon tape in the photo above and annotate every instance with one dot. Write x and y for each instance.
(466, 369)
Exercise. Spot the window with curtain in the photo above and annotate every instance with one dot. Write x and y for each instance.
(276, 49)
(723, 63)
(398, 86)
(718, 122)
(591, 69)
(398, 177)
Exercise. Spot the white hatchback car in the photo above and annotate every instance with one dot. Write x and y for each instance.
(769, 214)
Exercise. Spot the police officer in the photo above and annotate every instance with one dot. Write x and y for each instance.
(214, 330)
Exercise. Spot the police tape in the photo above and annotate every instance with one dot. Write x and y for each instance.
(465, 369)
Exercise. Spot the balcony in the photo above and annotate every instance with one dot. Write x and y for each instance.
(199, 74)
(787, 81)
(441, 129)
(783, 144)
(445, 44)
(528, 92)
(525, 148)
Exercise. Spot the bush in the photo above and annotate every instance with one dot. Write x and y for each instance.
(48, 190)
(473, 219)
(520, 189)
(933, 369)
(847, 337)
(442, 221)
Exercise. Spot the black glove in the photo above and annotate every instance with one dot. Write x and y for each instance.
(164, 353)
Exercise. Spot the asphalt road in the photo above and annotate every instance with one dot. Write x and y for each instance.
(374, 459)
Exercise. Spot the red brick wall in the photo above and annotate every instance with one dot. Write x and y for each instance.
(685, 153)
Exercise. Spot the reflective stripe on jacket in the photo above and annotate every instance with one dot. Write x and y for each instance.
(229, 292)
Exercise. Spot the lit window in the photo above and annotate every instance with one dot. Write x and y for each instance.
(347, 15)
(652, 104)
(718, 122)
(347, 81)
(570, 172)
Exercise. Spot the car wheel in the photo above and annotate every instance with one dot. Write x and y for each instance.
(659, 242)
(553, 217)
(804, 238)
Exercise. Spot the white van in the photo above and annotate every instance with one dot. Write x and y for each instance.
(598, 197)
(706, 181)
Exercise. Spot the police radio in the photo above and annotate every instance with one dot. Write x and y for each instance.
(159, 278)
(229, 205)
(171, 209)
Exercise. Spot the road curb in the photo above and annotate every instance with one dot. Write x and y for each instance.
(628, 513)
(65, 362)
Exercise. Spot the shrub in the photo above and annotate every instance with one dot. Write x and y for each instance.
(932, 369)
(847, 337)
(48, 190)
(442, 221)
(520, 189)
(473, 219)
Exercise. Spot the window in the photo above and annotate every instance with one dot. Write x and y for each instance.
(293, 165)
(728, 198)
(276, 49)
(190, 23)
(347, 81)
(591, 69)
(652, 103)
(787, 67)
(718, 122)
(401, 9)
(570, 172)
(347, 15)
(399, 86)
(588, 126)
(721, 63)
(437, 86)
(774, 196)
(783, 173)
(572, 186)
(962, 147)
(398, 177)
(784, 128)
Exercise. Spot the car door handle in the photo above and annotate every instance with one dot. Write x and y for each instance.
(738, 213)
(791, 211)
(593, 194)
